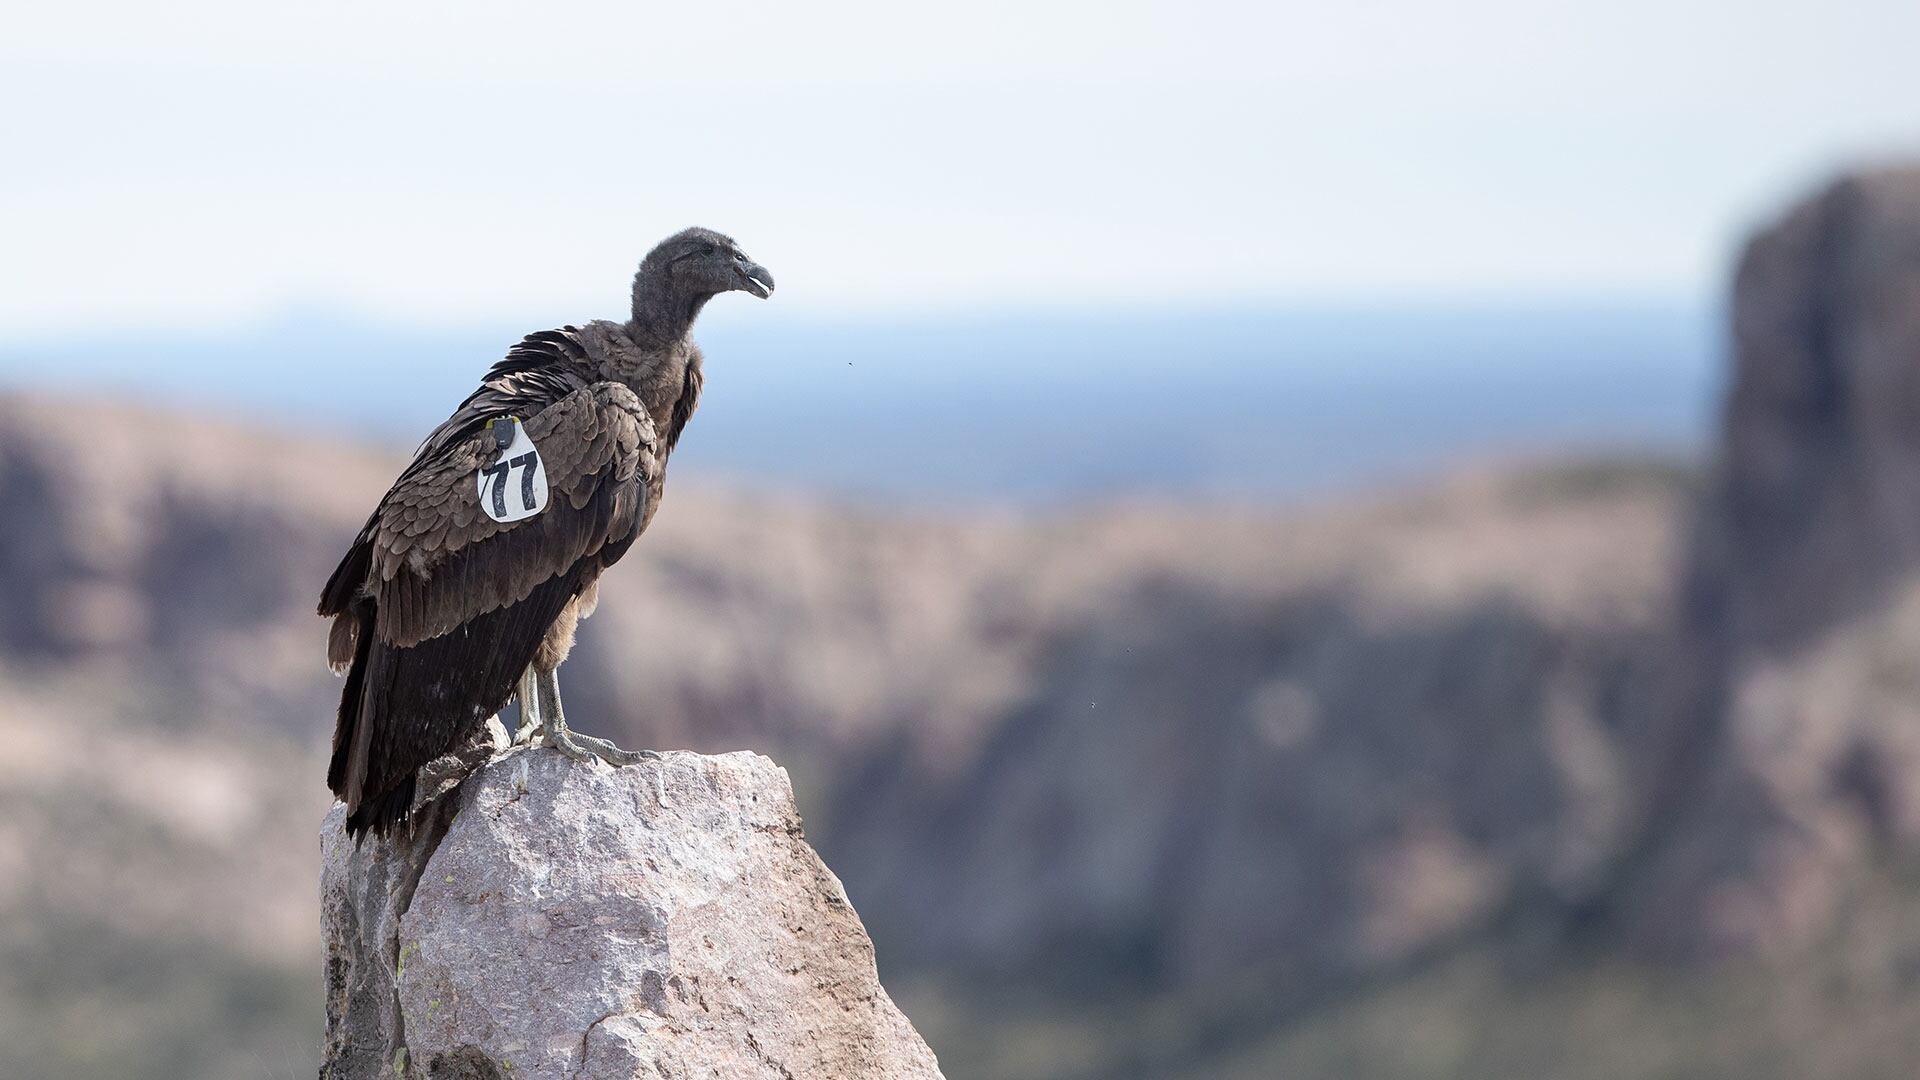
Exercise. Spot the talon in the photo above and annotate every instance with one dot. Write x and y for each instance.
(613, 755)
(571, 749)
(581, 747)
(529, 727)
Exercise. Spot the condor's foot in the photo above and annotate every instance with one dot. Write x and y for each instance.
(552, 719)
(582, 747)
(529, 698)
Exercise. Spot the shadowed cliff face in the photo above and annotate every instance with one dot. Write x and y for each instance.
(1792, 746)
(1307, 772)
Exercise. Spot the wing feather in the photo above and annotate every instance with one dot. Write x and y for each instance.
(438, 561)
(437, 607)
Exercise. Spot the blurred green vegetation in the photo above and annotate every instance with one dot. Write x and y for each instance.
(80, 1000)
(1529, 1002)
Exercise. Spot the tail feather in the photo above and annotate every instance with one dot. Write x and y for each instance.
(343, 639)
(346, 723)
(403, 706)
(345, 584)
(383, 811)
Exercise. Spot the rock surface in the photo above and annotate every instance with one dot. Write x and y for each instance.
(1792, 747)
(562, 920)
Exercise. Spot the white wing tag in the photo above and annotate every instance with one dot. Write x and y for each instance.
(514, 487)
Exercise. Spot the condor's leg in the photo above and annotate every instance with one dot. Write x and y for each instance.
(578, 747)
(529, 696)
(542, 672)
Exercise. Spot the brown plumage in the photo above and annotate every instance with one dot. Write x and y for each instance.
(439, 609)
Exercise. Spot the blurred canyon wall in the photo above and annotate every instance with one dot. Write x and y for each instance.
(1156, 746)
(1791, 745)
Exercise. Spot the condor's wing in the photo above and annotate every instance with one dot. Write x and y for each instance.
(438, 559)
(592, 439)
(439, 606)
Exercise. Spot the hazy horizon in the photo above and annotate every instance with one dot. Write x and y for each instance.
(987, 242)
(1014, 405)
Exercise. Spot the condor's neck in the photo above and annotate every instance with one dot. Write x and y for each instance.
(663, 316)
(663, 365)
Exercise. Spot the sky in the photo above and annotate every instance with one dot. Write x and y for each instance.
(204, 163)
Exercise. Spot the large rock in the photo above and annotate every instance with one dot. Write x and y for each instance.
(563, 920)
(1791, 750)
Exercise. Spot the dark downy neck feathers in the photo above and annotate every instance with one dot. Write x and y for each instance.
(662, 315)
(654, 353)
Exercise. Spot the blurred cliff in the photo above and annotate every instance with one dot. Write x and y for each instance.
(1592, 768)
(1793, 746)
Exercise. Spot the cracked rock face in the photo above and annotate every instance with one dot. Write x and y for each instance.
(575, 920)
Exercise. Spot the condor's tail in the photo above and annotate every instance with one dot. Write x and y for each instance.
(403, 706)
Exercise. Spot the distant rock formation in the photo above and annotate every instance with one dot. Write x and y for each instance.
(1389, 726)
(1791, 745)
(1175, 744)
(561, 920)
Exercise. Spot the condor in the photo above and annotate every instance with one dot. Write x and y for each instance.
(465, 587)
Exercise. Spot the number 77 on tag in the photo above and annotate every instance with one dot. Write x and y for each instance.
(514, 487)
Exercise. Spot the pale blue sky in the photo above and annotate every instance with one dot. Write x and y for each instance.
(196, 164)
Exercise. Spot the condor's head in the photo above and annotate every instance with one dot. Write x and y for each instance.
(689, 268)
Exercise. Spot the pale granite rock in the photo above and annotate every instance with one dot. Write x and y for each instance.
(575, 920)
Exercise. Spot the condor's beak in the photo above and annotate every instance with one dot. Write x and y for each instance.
(756, 280)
